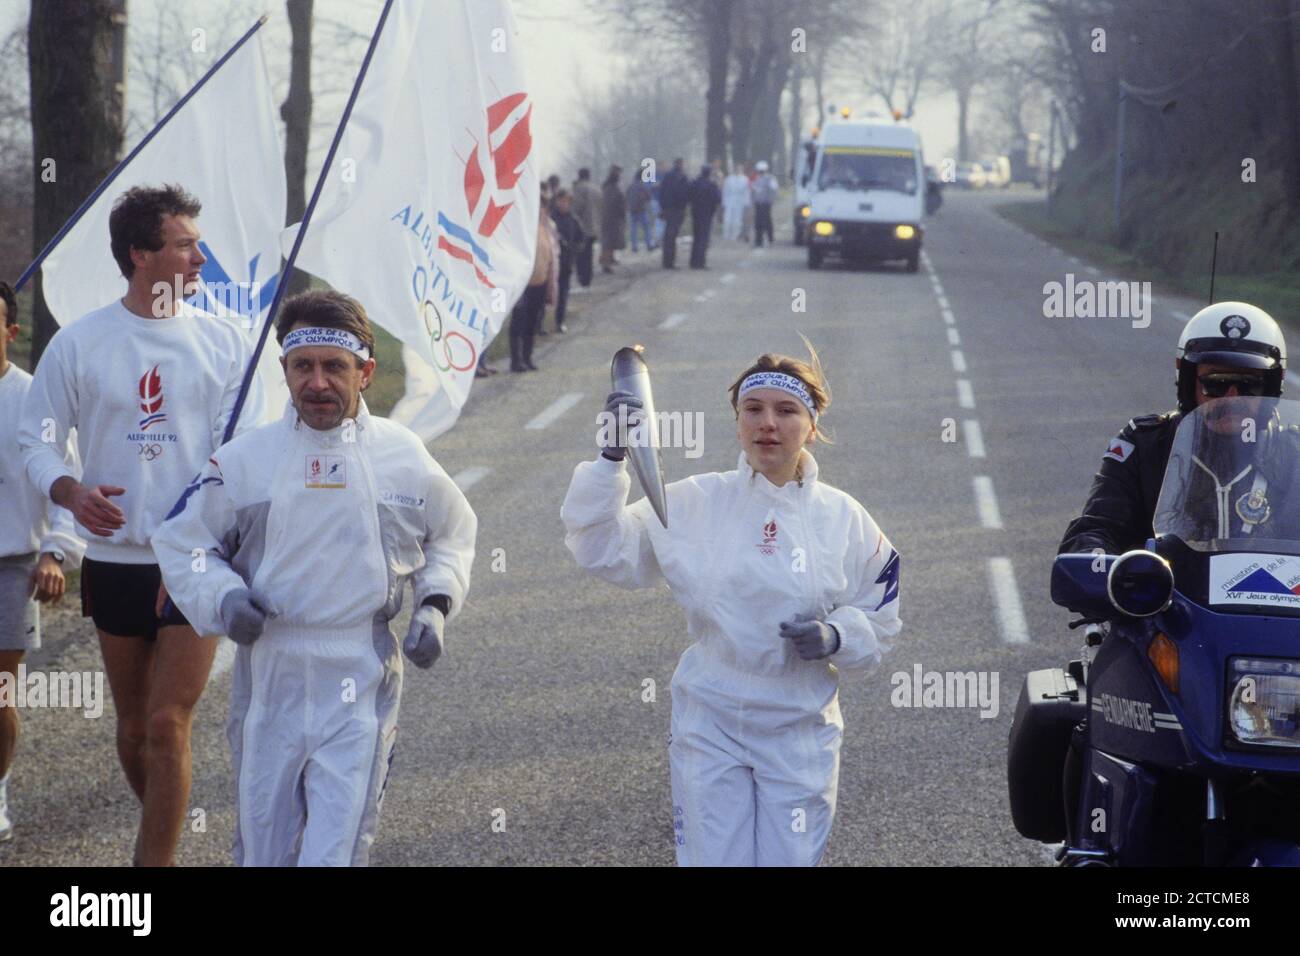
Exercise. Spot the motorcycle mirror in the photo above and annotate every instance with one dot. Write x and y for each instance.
(1140, 583)
(1079, 584)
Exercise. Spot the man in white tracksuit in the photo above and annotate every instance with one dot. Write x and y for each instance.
(308, 529)
(781, 577)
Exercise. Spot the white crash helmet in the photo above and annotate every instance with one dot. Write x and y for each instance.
(1234, 334)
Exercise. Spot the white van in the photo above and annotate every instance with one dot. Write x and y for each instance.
(867, 194)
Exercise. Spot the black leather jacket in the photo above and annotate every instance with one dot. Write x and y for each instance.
(1122, 503)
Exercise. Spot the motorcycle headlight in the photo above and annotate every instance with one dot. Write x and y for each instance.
(1264, 705)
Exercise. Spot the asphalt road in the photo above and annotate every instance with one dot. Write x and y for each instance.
(532, 741)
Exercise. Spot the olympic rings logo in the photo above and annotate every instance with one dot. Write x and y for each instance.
(149, 452)
(466, 353)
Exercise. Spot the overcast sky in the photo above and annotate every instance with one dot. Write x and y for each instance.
(560, 43)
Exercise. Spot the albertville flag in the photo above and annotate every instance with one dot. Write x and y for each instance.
(429, 216)
(222, 146)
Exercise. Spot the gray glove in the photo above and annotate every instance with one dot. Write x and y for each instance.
(615, 451)
(243, 613)
(423, 644)
(813, 640)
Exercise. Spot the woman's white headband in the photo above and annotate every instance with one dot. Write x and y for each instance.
(339, 338)
(783, 382)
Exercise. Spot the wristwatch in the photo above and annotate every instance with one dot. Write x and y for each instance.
(58, 556)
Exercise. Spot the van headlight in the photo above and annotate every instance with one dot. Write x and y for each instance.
(805, 212)
(824, 229)
(1264, 704)
(904, 231)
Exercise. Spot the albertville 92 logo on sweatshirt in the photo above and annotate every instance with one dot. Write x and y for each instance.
(151, 434)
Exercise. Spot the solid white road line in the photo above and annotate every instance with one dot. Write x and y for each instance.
(469, 477)
(554, 411)
(974, 438)
(958, 361)
(953, 337)
(965, 397)
(1011, 613)
(674, 320)
(987, 503)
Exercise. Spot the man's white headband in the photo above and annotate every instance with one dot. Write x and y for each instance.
(783, 382)
(339, 338)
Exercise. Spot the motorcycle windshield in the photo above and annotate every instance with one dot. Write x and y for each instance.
(1231, 484)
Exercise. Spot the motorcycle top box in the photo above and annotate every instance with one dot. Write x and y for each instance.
(1181, 743)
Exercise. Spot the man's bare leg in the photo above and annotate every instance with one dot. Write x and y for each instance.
(127, 661)
(9, 661)
(182, 661)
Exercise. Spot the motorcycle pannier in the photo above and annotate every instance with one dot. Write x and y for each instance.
(1051, 704)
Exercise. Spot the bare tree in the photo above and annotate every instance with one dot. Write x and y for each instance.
(902, 51)
(296, 113)
(76, 125)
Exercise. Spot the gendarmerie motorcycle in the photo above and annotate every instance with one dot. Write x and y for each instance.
(1175, 739)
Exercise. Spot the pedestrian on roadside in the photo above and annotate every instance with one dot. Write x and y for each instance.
(570, 235)
(523, 317)
(613, 219)
(638, 212)
(673, 198)
(735, 201)
(586, 209)
(765, 191)
(553, 269)
(705, 199)
(747, 221)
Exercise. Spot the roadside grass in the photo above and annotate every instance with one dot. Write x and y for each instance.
(1276, 292)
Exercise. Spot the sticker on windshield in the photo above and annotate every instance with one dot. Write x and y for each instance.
(1263, 580)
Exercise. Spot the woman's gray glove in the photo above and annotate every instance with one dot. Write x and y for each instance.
(614, 450)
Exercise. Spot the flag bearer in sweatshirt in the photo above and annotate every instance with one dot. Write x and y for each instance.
(308, 529)
(37, 541)
(149, 383)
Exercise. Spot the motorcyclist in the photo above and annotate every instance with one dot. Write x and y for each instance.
(1228, 349)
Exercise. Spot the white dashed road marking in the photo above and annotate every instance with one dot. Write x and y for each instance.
(987, 503)
(958, 361)
(469, 477)
(965, 396)
(554, 411)
(974, 438)
(674, 320)
(1011, 613)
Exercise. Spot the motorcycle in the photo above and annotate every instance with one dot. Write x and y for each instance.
(1175, 738)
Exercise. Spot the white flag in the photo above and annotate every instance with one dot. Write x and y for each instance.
(429, 214)
(223, 146)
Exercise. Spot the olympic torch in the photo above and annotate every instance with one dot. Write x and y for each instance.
(628, 373)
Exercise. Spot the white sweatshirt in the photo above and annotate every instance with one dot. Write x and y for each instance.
(29, 522)
(741, 556)
(328, 524)
(149, 399)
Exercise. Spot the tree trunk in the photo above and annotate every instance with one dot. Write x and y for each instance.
(1289, 101)
(76, 126)
(296, 113)
(715, 126)
(796, 109)
(963, 114)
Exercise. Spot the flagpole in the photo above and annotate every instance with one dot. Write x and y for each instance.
(302, 227)
(108, 180)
